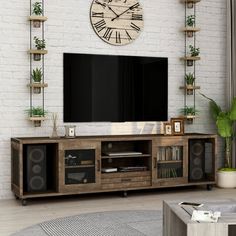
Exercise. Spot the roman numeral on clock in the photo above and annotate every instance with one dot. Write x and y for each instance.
(129, 37)
(137, 16)
(98, 14)
(135, 27)
(100, 25)
(118, 39)
(108, 34)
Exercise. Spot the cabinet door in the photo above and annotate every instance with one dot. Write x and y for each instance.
(170, 162)
(80, 166)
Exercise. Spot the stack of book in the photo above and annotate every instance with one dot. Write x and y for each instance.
(173, 153)
(167, 173)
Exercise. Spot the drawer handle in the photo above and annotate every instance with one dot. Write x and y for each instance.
(126, 180)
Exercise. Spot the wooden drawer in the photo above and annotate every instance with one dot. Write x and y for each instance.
(126, 180)
(171, 181)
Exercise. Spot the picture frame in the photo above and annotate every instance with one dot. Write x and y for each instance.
(167, 128)
(177, 125)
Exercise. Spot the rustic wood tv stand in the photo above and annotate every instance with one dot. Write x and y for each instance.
(43, 167)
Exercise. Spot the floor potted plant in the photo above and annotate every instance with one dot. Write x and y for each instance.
(226, 177)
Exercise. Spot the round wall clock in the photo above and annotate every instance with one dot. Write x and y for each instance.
(117, 22)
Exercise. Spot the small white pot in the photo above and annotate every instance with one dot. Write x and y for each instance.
(226, 179)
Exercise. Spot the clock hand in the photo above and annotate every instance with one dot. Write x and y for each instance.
(102, 4)
(112, 10)
(130, 8)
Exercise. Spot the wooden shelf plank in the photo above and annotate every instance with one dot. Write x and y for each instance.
(35, 51)
(39, 18)
(190, 29)
(79, 166)
(126, 156)
(188, 58)
(168, 162)
(37, 118)
(38, 85)
(190, 1)
(190, 87)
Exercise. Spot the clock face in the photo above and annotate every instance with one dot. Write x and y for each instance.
(117, 22)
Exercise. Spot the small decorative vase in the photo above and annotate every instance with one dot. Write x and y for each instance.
(54, 127)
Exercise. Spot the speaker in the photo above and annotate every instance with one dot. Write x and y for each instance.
(36, 168)
(196, 159)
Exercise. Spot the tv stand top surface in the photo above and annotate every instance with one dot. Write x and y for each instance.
(107, 137)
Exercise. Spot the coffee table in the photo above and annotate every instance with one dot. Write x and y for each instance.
(177, 220)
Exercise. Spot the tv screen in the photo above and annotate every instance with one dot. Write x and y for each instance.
(115, 88)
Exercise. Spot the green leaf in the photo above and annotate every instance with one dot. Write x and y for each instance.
(233, 110)
(224, 125)
(214, 108)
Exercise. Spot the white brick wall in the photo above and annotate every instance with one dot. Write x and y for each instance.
(68, 30)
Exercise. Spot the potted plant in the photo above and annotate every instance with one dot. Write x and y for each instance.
(226, 177)
(189, 113)
(189, 83)
(36, 114)
(40, 44)
(37, 11)
(194, 52)
(37, 76)
(190, 22)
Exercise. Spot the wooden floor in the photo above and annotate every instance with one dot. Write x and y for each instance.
(14, 217)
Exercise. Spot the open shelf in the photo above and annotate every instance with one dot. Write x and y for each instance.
(126, 156)
(79, 166)
(169, 162)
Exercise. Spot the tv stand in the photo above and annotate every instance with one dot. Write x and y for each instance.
(43, 167)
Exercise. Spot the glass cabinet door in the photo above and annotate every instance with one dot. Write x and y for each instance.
(79, 166)
(170, 161)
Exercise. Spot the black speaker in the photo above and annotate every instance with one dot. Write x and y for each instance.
(196, 159)
(36, 168)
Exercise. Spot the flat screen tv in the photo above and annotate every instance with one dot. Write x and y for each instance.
(102, 88)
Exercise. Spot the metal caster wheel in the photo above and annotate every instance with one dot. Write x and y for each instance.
(209, 187)
(125, 194)
(24, 202)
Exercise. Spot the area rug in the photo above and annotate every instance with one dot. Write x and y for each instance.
(117, 223)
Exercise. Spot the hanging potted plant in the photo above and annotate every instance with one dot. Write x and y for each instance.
(190, 26)
(37, 76)
(36, 114)
(226, 177)
(40, 44)
(189, 83)
(189, 113)
(37, 11)
(194, 52)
